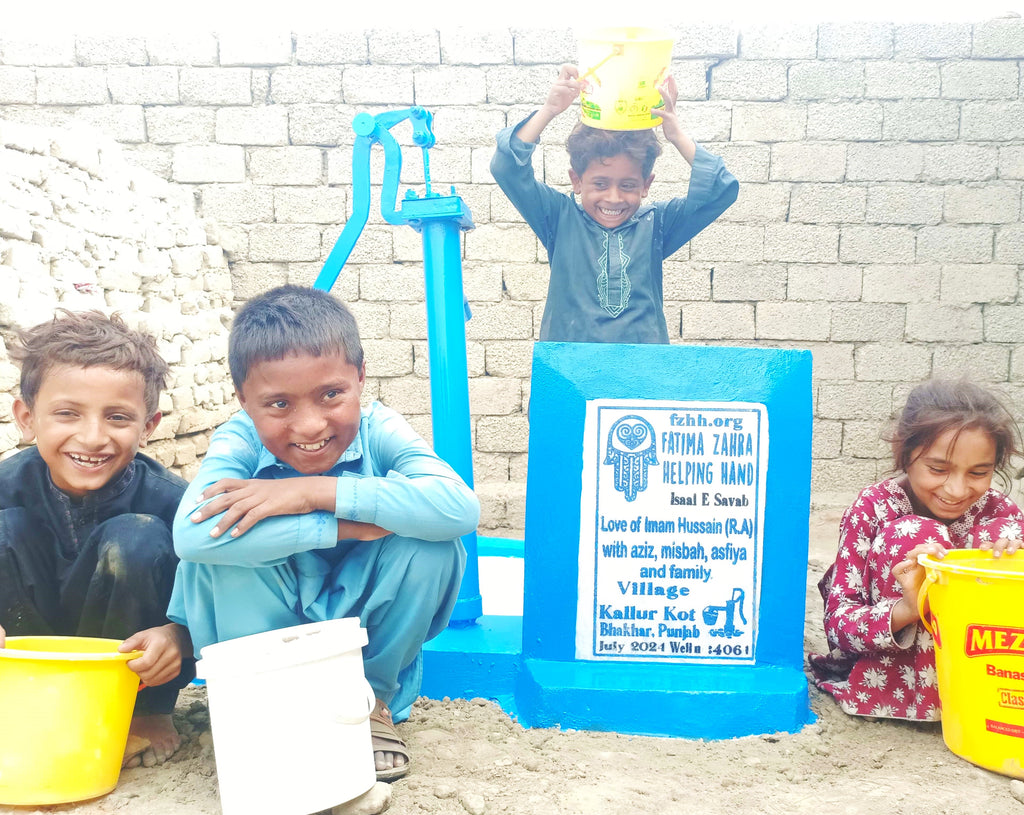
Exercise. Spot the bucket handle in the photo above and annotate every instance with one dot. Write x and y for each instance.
(359, 718)
(923, 607)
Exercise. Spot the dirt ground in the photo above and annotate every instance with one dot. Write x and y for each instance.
(470, 757)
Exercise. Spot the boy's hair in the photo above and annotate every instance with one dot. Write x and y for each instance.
(587, 143)
(938, 405)
(88, 339)
(291, 320)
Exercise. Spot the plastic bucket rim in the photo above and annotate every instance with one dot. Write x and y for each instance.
(7, 652)
(950, 565)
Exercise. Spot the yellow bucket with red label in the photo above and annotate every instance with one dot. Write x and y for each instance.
(973, 605)
(622, 68)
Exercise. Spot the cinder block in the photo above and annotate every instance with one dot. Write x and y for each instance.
(855, 40)
(330, 47)
(930, 322)
(543, 46)
(388, 357)
(854, 400)
(803, 161)
(495, 396)
(824, 281)
(1009, 243)
(832, 360)
(921, 120)
(1002, 324)
(980, 79)
(297, 84)
(989, 203)
(759, 80)
(516, 85)
(932, 40)
(841, 479)
(884, 162)
(503, 242)
(501, 321)
(391, 282)
(748, 162)
(863, 439)
(237, 203)
(779, 41)
(984, 283)
(768, 121)
(255, 47)
(904, 204)
(481, 282)
(450, 86)
(888, 362)
(999, 39)
(830, 79)
(52, 49)
(982, 363)
(848, 121)
(691, 76)
(264, 125)
(509, 359)
(525, 281)
(470, 125)
(899, 80)
(315, 205)
(373, 318)
(464, 45)
(759, 203)
(792, 321)
(122, 123)
(182, 48)
(286, 165)
(17, 86)
(324, 125)
(251, 279)
(827, 439)
(827, 203)
(801, 243)
(748, 282)
(110, 49)
(955, 244)
(503, 434)
(1011, 161)
(962, 162)
(876, 244)
(717, 321)
(378, 85)
(992, 121)
(283, 242)
(407, 394)
(867, 322)
(705, 38)
(905, 283)
(713, 121)
(177, 125)
(215, 86)
(731, 242)
(71, 86)
(206, 164)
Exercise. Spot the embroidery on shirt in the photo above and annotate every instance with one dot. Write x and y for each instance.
(602, 279)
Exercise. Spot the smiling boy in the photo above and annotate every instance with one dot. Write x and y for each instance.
(606, 249)
(308, 507)
(85, 538)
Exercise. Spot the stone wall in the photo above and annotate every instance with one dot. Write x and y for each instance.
(879, 222)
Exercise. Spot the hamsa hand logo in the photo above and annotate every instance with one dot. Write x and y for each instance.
(631, 449)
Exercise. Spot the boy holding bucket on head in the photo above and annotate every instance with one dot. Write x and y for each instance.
(308, 507)
(605, 246)
(85, 518)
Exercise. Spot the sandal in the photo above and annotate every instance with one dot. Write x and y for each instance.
(386, 740)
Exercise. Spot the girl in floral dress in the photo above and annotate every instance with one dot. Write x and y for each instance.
(949, 441)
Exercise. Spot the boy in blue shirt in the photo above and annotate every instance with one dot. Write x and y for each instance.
(308, 507)
(606, 249)
(85, 518)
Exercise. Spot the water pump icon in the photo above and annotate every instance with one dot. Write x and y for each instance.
(732, 606)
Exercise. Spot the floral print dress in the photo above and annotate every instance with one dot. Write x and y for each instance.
(870, 669)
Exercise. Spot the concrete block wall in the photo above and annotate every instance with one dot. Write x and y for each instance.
(879, 222)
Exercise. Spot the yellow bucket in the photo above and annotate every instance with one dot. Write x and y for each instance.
(971, 603)
(67, 706)
(622, 68)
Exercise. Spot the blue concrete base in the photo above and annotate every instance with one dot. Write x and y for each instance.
(481, 660)
(663, 700)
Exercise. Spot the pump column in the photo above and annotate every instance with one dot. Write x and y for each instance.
(440, 219)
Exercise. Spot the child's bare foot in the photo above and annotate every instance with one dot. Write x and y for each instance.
(163, 740)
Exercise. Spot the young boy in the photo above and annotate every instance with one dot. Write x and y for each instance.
(85, 519)
(308, 507)
(606, 250)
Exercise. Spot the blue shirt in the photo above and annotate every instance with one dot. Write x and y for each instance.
(606, 284)
(388, 476)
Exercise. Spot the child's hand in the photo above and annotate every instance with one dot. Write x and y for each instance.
(162, 647)
(242, 503)
(1007, 545)
(564, 90)
(3, 637)
(910, 575)
(670, 126)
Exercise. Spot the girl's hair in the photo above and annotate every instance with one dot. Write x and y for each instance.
(88, 339)
(291, 320)
(587, 143)
(938, 405)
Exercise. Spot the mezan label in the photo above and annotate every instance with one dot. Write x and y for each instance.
(671, 519)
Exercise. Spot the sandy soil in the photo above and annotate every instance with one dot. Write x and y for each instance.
(469, 757)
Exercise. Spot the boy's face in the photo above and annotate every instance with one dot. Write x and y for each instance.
(305, 408)
(88, 424)
(612, 189)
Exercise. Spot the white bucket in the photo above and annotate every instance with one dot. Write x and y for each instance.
(289, 711)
